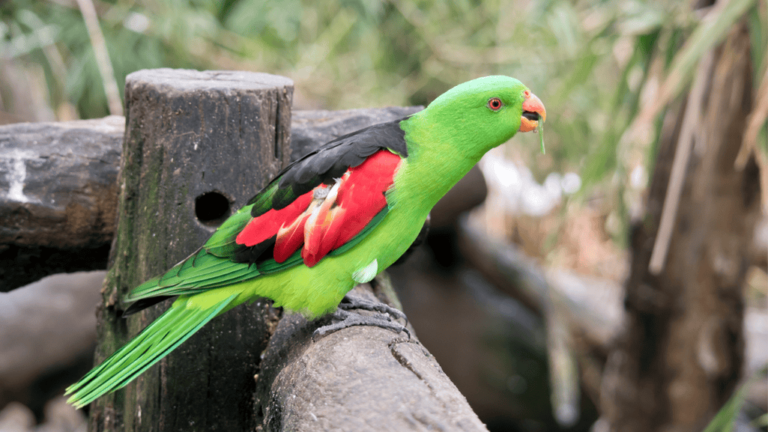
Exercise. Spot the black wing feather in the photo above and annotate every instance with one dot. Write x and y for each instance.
(330, 161)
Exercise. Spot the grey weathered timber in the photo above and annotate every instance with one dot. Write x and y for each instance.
(356, 379)
(67, 175)
(189, 135)
(58, 197)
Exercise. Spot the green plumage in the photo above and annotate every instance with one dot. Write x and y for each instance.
(166, 333)
(443, 143)
(222, 242)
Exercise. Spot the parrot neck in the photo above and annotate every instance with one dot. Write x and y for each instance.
(437, 159)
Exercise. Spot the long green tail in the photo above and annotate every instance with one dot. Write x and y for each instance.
(158, 339)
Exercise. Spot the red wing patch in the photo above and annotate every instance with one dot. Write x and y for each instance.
(265, 226)
(325, 221)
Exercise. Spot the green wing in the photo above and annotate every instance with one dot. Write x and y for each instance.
(221, 261)
(211, 266)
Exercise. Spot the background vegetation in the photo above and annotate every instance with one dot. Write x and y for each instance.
(605, 69)
(595, 63)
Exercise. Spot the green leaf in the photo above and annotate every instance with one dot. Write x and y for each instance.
(725, 418)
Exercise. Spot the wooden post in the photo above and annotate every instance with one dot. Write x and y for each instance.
(197, 146)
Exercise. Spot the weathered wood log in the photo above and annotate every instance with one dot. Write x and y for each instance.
(361, 378)
(59, 216)
(681, 351)
(197, 145)
(58, 197)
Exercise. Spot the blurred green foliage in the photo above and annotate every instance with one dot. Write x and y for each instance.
(594, 63)
(585, 59)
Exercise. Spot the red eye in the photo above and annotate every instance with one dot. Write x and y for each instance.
(495, 104)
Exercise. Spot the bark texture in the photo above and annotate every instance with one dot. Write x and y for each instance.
(189, 135)
(682, 349)
(360, 378)
(58, 197)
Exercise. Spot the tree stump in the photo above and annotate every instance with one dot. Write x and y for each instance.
(197, 146)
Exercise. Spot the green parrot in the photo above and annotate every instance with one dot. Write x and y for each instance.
(334, 218)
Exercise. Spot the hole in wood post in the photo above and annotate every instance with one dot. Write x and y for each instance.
(211, 208)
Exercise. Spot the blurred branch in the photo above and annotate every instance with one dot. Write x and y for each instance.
(102, 56)
(749, 147)
(754, 124)
(679, 166)
(591, 307)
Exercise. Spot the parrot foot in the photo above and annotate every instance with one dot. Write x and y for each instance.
(347, 319)
(355, 302)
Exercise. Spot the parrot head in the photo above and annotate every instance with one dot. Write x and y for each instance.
(489, 111)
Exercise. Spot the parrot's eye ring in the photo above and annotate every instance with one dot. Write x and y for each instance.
(495, 104)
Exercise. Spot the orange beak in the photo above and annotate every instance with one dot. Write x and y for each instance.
(533, 112)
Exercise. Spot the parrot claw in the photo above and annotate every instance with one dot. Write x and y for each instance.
(348, 319)
(355, 302)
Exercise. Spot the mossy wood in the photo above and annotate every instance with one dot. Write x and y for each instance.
(197, 145)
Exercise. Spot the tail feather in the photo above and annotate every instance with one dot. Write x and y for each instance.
(158, 339)
(200, 272)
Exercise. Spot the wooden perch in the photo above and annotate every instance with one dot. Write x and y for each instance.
(58, 197)
(197, 145)
(361, 378)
